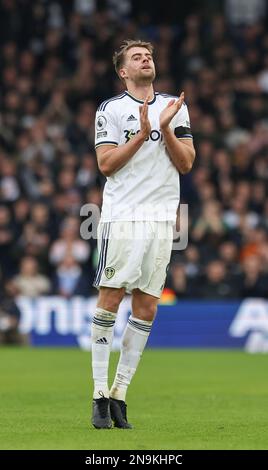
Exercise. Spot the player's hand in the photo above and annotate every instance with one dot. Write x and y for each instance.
(145, 123)
(169, 111)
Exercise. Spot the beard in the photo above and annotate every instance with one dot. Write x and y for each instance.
(147, 78)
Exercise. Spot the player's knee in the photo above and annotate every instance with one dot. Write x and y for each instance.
(110, 299)
(111, 304)
(146, 312)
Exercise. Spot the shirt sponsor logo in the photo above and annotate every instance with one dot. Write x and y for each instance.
(154, 134)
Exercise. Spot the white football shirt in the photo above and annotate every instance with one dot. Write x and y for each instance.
(148, 186)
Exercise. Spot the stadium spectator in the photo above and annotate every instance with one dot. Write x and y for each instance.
(180, 283)
(29, 281)
(228, 253)
(254, 282)
(69, 243)
(216, 284)
(69, 279)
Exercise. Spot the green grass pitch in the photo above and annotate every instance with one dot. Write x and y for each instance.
(179, 399)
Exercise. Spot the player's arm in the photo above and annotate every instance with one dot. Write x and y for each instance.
(111, 158)
(181, 151)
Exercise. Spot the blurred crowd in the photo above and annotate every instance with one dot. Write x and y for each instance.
(56, 68)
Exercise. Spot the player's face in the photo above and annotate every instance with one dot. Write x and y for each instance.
(138, 66)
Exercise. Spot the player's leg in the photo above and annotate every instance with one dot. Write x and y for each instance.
(102, 336)
(144, 307)
(119, 265)
(103, 324)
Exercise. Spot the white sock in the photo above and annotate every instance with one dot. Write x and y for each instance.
(134, 341)
(102, 338)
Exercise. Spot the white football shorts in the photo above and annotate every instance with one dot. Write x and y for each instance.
(134, 255)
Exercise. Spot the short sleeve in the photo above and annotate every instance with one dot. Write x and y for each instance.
(106, 128)
(182, 126)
